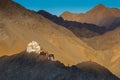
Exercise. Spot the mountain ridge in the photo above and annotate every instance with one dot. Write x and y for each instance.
(105, 44)
(23, 26)
(79, 29)
(28, 66)
(104, 16)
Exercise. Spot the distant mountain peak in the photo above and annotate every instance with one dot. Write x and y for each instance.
(42, 11)
(100, 6)
(67, 12)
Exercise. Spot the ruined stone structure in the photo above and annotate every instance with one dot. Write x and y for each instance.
(33, 47)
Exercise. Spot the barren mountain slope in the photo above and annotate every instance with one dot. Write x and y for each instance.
(20, 26)
(99, 15)
(108, 44)
(25, 66)
(105, 41)
(79, 29)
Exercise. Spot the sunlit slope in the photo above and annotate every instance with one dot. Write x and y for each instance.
(107, 47)
(99, 15)
(21, 26)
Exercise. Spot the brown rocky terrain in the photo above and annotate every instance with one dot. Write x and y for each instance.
(108, 43)
(24, 66)
(79, 29)
(19, 26)
(99, 15)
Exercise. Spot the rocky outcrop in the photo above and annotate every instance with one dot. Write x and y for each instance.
(25, 66)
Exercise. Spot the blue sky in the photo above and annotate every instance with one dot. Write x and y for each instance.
(57, 7)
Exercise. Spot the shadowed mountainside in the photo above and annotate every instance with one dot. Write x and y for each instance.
(106, 43)
(79, 29)
(99, 15)
(25, 66)
(109, 44)
(19, 26)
